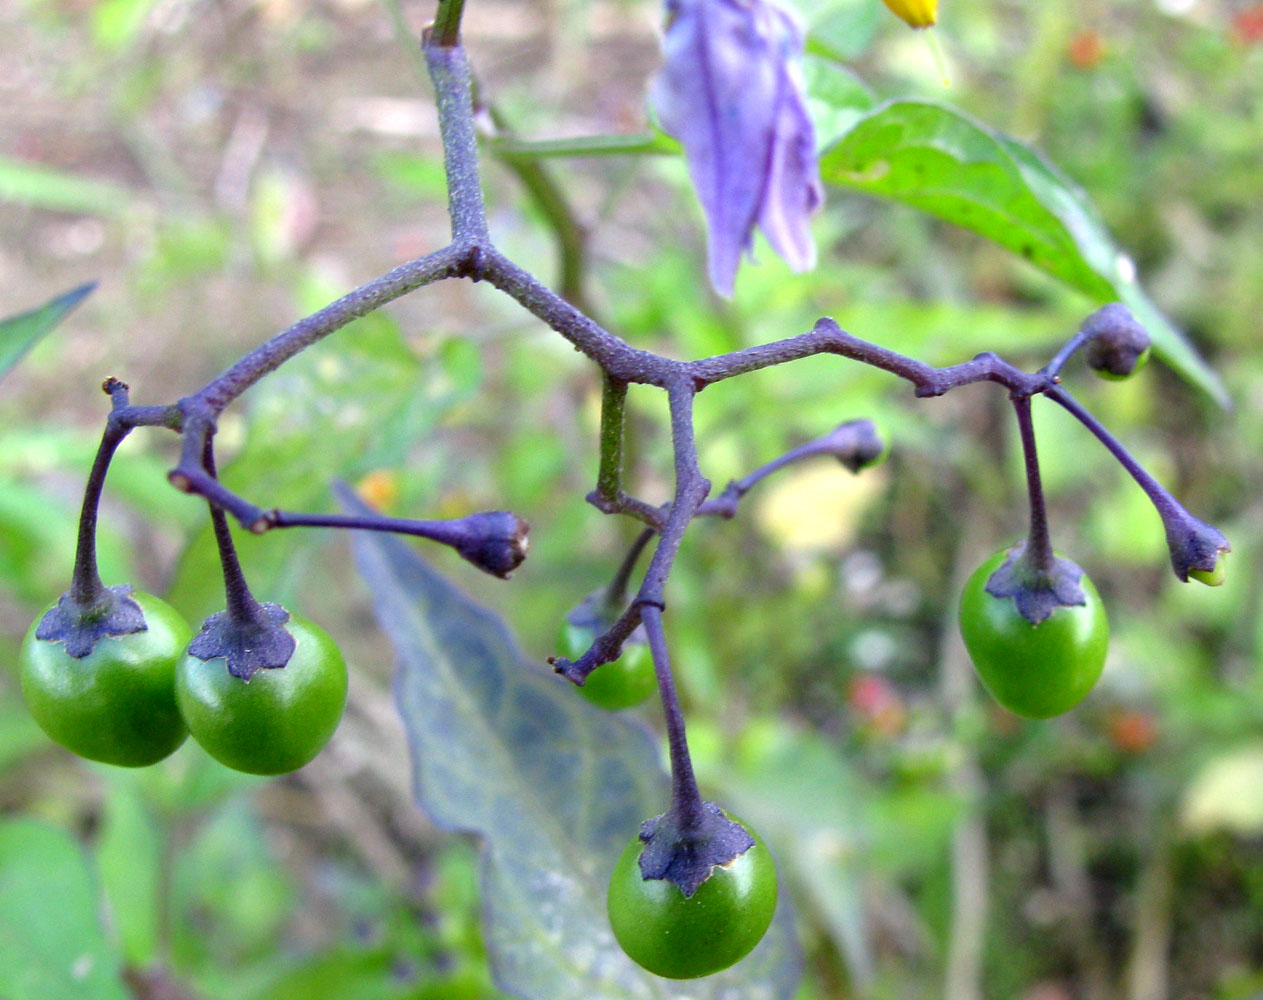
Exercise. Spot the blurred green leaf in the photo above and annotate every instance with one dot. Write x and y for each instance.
(51, 945)
(230, 898)
(117, 22)
(837, 97)
(19, 333)
(554, 787)
(129, 859)
(942, 162)
(842, 30)
(808, 801)
(19, 735)
(348, 974)
(37, 546)
(653, 143)
(46, 187)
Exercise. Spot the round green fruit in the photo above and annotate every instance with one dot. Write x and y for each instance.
(622, 683)
(117, 704)
(681, 938)
(280, 718)
(1036, 671)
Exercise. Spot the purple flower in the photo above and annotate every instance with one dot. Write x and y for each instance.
(731, 91)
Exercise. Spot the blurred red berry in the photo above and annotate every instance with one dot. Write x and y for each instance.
(1247, 24)
(877, 702)
(1132, 731)
(1086, 49)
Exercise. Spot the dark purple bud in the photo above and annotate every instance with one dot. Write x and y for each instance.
(495, 541)
(1118, 345)
(856, 444)
(731, 91)
(1197, 549)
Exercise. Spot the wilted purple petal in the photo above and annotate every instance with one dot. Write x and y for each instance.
(793, 190)
(731, 91)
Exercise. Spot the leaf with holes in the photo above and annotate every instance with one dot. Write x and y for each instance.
(553, 786)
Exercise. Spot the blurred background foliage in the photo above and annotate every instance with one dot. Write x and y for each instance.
(225, 167)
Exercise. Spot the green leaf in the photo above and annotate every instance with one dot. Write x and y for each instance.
(51, 945)
(554, 787)
(19, 735)
(19, 333)
(652, 143)
(802, 792)
(129, 859)
(116, 23)
(836, 96)
(841, 31)
(46, 187)
(940, 161)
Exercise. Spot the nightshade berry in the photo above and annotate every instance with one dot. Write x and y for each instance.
(679, 934)
(275, 718)
(1035, 667)
(111, 699)
(623, 683)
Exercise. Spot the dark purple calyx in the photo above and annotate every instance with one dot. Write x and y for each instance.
(687, 857)
(259, 643)
(113, 613)
(1037, 591)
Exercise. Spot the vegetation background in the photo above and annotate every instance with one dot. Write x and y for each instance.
(225, 167)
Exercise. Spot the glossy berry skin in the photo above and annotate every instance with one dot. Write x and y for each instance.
(682, 938)
(117, 704)
(1036, 671)
(622, 683)
(278, 720)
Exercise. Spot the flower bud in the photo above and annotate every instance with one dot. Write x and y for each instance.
(1197, 549)
(1213, 577)
(915, 13)
(857, 445)
(495, 541)
(1118, 345)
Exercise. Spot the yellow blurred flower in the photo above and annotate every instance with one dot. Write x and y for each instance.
(916, 13)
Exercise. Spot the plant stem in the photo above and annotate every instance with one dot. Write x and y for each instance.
(446, 29)
(86, 588)
(226, 387)
(449, 69)
(1039, 549)
(609, 477)
(240, 603)
(616, 592)
(1059, 360)
(686, 799)
(1166, 504)
(691, 488)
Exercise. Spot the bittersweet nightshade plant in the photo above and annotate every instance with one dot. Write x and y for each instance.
(731, 90)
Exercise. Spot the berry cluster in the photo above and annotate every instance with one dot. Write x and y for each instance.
(113, 675)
